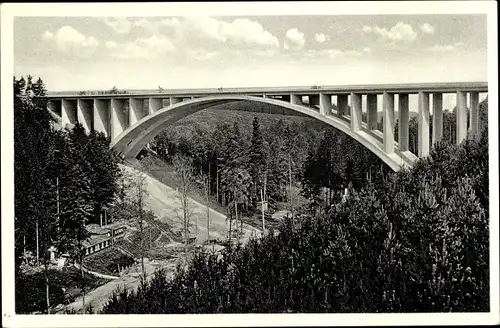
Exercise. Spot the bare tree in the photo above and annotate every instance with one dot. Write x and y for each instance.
(136, 184)
(184, 171)
(207, 191)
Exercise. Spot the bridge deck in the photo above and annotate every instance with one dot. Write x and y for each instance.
(412, 88)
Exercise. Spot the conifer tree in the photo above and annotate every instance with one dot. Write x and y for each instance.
(256, 160)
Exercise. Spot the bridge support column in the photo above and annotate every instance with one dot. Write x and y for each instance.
(314, 100)
(135, 111)
(325, 104)
(461, 114)
(437, 117)
(118, 117)
(474, 113)
(423, 124)
(175, 100)
(388, 122)
(155, 104)
(68, 112)
(356, 112)
(295, 99)
(54, 107)
(102, 116)
(85, 113)
(403, 121)
(372, 119)
(285, 98)
(342, 105)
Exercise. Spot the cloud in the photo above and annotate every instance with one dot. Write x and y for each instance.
(70, 40)
(399, 32)
(201, 38)
(448, 47)
(153, 46)
(120, 24)
(201, 55)
(427, 28)
(204, 30)
(321, 37)
(142, 22)
(110, 44)
(367, 49)
(171, 22)
(332, 53)
(47, 35)
(294, 40)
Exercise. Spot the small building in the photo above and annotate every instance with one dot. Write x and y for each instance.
(96, 243)
(117, 230)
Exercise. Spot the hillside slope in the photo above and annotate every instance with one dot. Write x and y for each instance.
(165, 203)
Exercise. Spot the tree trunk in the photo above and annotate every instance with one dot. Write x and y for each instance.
(217, 181)
(209, 177)
(208, 209)
(141, 228)
(37, 246)
(82, 255)
(197, 230)
(262, 209)
(230, 227)
(184, 215)
(290, 181)
(236, 215)
(47, 295)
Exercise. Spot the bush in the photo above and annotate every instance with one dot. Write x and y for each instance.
(30, 288)
(107, 261)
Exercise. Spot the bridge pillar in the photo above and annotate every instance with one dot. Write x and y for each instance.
(175, 100)
(102, 116)
(342, 105)
(285, 98)
(119, 117)
(295, 99)
(85, 113)
(68, 112)
(135, 112)
(404, 120)
(388, 101)
(423, 124)
(437, 117)
(356, 112)
(474, 113)
(52, 105)
(461, 114)
(372, 119)
(155, 104)
(314, 100)
(325, 104)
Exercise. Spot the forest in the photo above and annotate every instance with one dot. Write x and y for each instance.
(63, 180)
(412, 241)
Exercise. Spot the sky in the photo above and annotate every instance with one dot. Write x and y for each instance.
(84, 53)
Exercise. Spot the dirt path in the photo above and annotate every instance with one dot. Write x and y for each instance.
(130, 279)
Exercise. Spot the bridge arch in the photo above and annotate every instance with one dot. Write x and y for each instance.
(130, 142)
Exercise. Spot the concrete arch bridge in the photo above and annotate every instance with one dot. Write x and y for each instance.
(132, 119)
